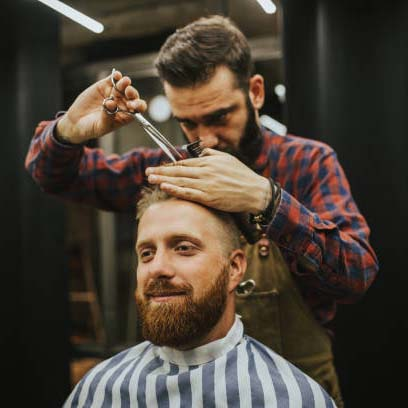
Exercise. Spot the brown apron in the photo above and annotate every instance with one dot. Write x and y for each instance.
(275, 314)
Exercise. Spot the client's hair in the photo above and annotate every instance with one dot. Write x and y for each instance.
(232, 236)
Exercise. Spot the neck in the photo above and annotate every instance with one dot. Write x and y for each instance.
(206, 352)
(220, 329)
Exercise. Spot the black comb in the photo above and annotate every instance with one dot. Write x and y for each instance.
(194, 149)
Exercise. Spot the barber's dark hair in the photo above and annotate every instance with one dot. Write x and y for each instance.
(191, 55)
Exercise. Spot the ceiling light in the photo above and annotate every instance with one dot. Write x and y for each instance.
(280, 92)
(268, 6)
(159, 108)
(75, 15)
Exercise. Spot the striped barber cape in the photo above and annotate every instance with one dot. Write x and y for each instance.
(235, 371)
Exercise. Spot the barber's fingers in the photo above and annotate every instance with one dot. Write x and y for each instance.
(131, 92)
(202, 160)
(199, 167)
(136, 105)
(110, 105)
(193, 162)
(124, 94)
(117, 76)
(185, 193)
(212, 152)
(122, 84)
(155, 173)
(187, 182)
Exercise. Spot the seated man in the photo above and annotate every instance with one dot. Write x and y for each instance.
(196, 354)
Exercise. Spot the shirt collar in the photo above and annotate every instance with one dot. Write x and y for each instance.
(207, 352)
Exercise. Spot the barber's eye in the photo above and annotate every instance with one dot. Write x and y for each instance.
(218, 120)
(189, 125)
(221, 118)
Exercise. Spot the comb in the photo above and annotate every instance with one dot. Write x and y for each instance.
(194, 149)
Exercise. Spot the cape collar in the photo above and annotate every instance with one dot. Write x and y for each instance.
(207, 352)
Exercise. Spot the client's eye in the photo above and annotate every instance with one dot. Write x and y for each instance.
(185, 248)
(146, 255)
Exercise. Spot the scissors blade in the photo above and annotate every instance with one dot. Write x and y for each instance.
(160, 144)
(157, 137)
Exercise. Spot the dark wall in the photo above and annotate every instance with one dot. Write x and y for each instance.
(346, 67)
(34, 334)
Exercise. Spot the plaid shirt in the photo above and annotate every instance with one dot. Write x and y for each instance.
(317, 225)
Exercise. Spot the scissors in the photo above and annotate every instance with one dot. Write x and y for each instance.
(167, 147)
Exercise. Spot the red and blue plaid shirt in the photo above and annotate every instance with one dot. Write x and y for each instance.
(318, 227)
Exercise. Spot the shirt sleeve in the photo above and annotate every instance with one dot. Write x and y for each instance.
(322, 234)
(86, 175)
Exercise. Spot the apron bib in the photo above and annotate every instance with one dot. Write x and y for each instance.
(273, 312)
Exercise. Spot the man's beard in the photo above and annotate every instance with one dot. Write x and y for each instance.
(250, 142)
(184, 321)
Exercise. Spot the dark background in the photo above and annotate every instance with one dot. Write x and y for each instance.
(347, 84)
(345, 64)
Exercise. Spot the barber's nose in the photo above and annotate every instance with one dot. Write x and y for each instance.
(208, 138)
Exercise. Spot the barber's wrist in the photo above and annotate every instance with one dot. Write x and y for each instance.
(262, 218)
(267, 194)
(61, 132)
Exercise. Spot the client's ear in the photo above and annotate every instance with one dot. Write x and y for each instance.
(238, 265)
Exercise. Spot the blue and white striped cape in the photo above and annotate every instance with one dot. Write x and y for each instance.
(236, 371)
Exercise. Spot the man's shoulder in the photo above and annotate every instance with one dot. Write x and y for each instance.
(267, 354)
(134, 351)
(294, 142)
(270, 356)
(287, 376)
(131, 353)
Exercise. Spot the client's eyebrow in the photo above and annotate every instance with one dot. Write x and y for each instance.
(172, 239)
(185, 237)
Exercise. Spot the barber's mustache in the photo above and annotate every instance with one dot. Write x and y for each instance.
(163, 287)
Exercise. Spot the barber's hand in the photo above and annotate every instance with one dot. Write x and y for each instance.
(215, 179)
(86, 119)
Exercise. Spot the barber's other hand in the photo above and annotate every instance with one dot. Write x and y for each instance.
(86, 119)
(215, 179)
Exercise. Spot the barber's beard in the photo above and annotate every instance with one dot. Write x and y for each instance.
(250, 143)
(185, 320)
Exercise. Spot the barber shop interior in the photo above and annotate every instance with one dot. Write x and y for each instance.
(205, 203)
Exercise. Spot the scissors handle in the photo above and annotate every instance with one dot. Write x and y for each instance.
(153, 132)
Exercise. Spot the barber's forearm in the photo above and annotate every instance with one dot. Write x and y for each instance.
(87, 176)
(341, 260)
(50, 163)
(74, 173)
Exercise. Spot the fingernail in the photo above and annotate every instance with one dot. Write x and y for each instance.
(149, 170)
(152, 178)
